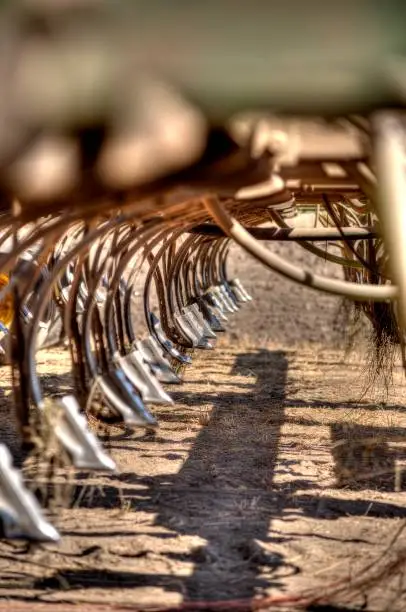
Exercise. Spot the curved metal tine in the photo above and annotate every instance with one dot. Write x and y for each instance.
(73, 309)
(95, 265)
(217, 280)
(205, 272)
(112, 381)
(149, 347)
(67, 427)
(197, 286)
(176, 302)
(54, 331)
(207, 311)
(184, 323)
(179, 277)
(19, 256)
(32, 244)
(82, 355)
(224, 298)
(163, 290)
(193, 292)
(202, 320)
(154, 324)
(72, 305)
(64, 282)
(237, 284)
(29, 306)
(119, 286)
(186, 286)
(235, 291)
(232, 291)
(214, 296)
(208, 299)
(114, 310)
(95, 253)
(150, 351)
(20, 252)
(73, 322)
(71, 431)
(25, 274)
(222, 275)
(132, 364)
(186, 335)
(229, 299)
(20, 512)
(234, 284)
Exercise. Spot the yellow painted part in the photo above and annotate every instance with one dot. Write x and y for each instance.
(6, 304)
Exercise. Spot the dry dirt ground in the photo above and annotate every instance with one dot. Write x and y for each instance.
(285, 312)
(273, 475)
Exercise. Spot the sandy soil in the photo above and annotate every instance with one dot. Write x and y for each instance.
(285, 312)
(272, 475)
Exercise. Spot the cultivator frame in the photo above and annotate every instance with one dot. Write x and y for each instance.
(134, 156)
